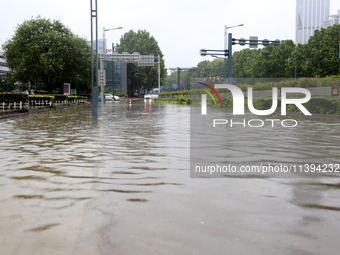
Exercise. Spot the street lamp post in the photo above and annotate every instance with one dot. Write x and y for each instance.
(225, 34)
(159, 73)
(227, 46)
(102, 62)
(104, 30)
(227, 52)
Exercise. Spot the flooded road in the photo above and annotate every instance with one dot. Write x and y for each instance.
(121, 185)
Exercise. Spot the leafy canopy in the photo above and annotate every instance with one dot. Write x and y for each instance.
(142, 77)
(47, 54)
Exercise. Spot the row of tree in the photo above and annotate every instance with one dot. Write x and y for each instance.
(318, 58)
(43, 54)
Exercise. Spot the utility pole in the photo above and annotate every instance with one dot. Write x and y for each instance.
(159, 74)
(179, 77)
(295, 68)
(94, 15)
(230, 58)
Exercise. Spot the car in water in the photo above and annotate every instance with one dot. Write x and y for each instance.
(150, 96)
(110, 97)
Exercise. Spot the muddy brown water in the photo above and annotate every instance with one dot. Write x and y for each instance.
(121, 185)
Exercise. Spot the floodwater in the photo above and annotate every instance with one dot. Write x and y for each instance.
(121, 185)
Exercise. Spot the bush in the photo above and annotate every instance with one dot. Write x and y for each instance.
(183, 100)
(176, 93)
(74, 98)
(320, 105)
(179, 100)
(265, 103)
(227, 101)
(13, 97)
(119, 92)
(315, 105)
(41, 92)
(60, 97)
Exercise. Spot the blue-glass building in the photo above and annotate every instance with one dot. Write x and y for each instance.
(116, 76)
(115, 73)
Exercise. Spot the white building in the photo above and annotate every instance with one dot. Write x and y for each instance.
(102, 44)
(310, 15)
(3, 65)
(333, 20)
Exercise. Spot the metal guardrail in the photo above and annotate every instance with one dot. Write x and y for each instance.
(20, 106)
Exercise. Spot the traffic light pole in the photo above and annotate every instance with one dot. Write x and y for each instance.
(159, 73)
(230, 58)
(253, 42)
(179, 78)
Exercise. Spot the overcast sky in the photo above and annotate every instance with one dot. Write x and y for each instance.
(181, 27)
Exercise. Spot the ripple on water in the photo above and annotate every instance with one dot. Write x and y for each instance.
(44, 227)
(132, 161)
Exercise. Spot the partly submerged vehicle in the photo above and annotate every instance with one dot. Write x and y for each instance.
(152, 95)
(110, 97)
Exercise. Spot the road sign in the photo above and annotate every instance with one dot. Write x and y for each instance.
(102, 77)
(253, 41)
(67, 89)
(125, 57)
(146, 60)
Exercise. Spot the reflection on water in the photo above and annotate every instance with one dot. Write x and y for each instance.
(121, 185)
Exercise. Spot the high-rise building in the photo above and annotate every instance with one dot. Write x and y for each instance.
(310, 15)
(101, 45)
(333, 20)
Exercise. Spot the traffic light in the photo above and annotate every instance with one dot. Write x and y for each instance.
(203, 52)
(254, 42)
(265, 42)
(277, 42)
(242, 42)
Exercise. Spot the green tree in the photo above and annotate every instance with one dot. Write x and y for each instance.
(170, 80)
(272, 62)
(142, 77)
(268, 62)
(7, 82)
(244, 63)
(320, 56)
(47, 54)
